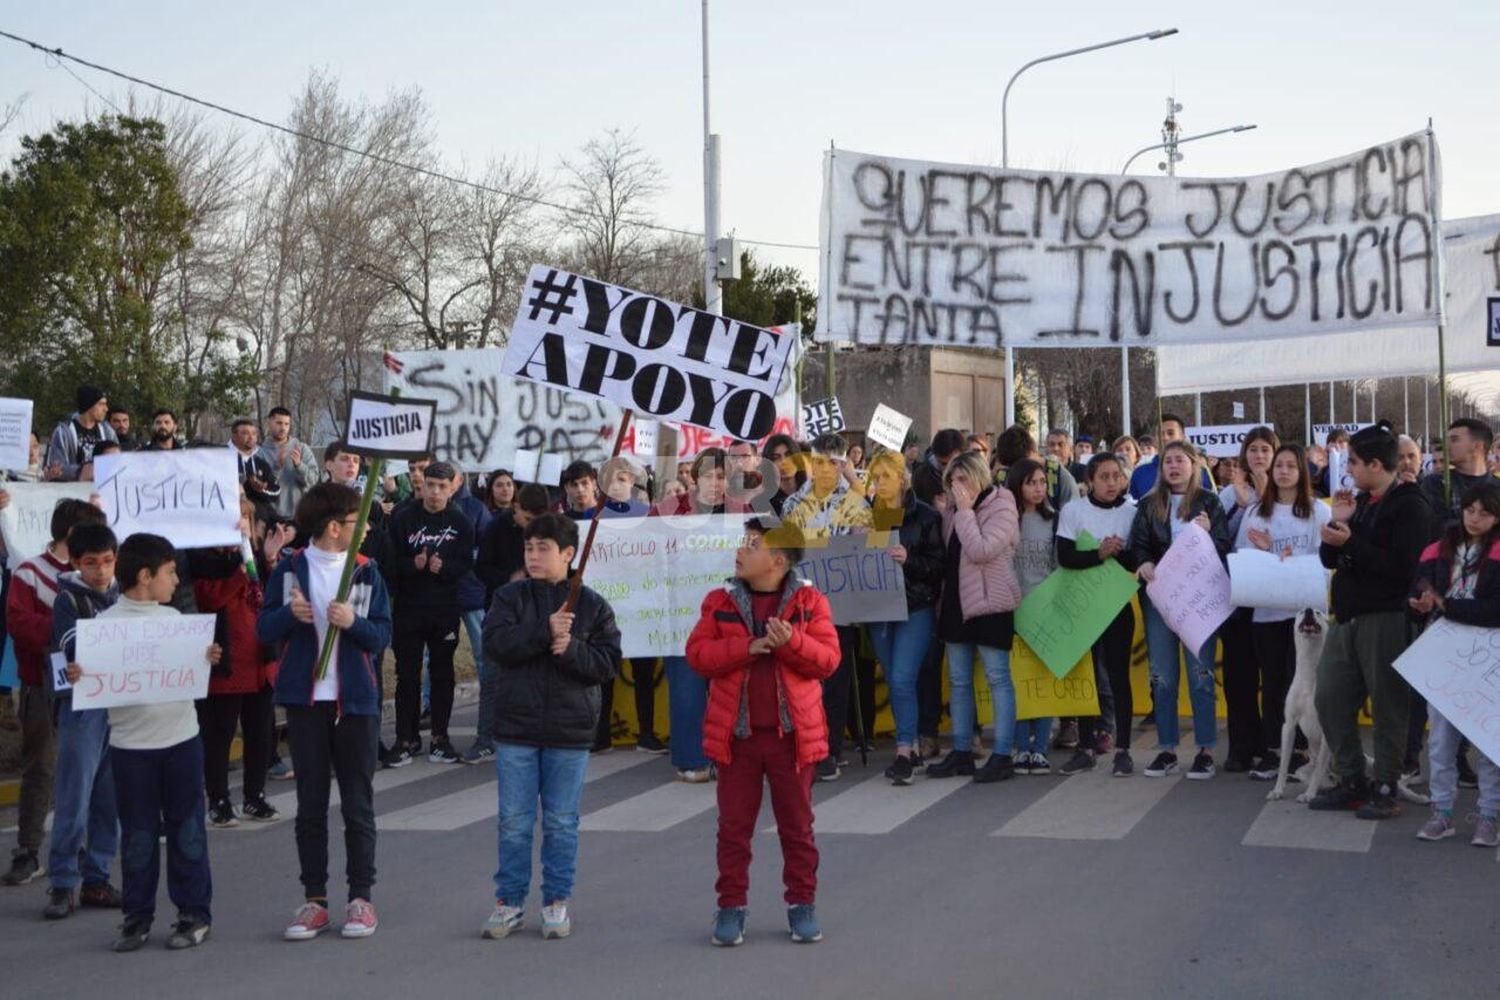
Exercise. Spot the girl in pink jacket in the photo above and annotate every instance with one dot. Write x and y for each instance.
(975, 613)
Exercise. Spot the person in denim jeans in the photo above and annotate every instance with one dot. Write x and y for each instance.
(1177, 501)
(976, 613)
(913, 534)
(85, 821)
(549, 657)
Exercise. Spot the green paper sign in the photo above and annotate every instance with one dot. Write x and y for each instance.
(1065, 615)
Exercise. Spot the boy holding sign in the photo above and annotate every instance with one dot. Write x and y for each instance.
(157, 759)
(333, 719)
(83, 788)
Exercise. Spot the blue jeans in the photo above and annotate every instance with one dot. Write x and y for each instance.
(555, 777)
(161, 792)
(1033, 735)
(900, 647)
(85, 823)
(687, 700)
(484, 727)
(961, 694)
(1162, 648)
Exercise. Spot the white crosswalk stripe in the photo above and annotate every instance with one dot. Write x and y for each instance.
(661, 808)
(1090, 806)
(470, 805)
(874, 807)
(1290, 823)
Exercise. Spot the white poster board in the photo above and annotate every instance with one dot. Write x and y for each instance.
(1457, 669)
(538, 467)
(1321, 431)
(1222, 440)
(27, 522)
(190, 496)
(141, 659)
(1265, 580)
(15, 434)
(644, 443)
(655, 572)
(959, 255)
(666, 360)
(888, 427)
(399, 427)
(1191, 589)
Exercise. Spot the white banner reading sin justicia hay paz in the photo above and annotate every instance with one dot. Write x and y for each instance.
(953, 255)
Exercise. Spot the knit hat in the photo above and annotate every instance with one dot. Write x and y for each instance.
(87, 397)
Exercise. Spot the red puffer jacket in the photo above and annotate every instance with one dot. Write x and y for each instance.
(719, 649)
(227, 592)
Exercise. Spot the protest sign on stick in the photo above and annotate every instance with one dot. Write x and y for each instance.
(189, 496)
(377, 427)
(1191, 589)
(888, 427)
(141, 660)
(671, 361)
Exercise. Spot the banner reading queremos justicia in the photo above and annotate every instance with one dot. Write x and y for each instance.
(953, 255)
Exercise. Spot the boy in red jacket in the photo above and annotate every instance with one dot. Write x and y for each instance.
(766, 642)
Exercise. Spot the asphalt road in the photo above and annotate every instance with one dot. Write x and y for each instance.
(1039, 887)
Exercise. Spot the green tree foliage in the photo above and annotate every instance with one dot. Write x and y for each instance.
(765, 297)
(93, 225)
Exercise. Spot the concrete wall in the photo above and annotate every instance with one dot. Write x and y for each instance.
(938, 388)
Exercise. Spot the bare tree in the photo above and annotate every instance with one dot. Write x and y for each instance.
(460, 252)
(311, 309)
(610, 185)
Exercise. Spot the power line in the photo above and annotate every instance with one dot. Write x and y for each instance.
(59, 54)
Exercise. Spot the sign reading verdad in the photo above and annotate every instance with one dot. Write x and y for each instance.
(671, 361)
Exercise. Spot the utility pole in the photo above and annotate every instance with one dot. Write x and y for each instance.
(712, 295)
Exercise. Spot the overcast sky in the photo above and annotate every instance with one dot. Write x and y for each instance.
(919, 80)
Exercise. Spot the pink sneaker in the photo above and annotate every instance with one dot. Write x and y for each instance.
(359, 919)
(310, 921)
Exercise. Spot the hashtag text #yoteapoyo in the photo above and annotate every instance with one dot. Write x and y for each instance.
(667, 360)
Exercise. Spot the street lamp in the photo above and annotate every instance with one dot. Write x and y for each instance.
(1010, 354)
(1192, 138)
(1172, 152)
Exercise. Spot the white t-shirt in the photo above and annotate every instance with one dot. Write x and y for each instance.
(1101, 522)
(1177, 524)
(1303, 535)
(323, 572)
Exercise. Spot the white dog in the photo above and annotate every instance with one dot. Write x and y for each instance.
(1301, 710)
(1311, 633)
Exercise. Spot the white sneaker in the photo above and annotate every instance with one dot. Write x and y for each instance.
(555, 923)
(695, 775)
(503, 921)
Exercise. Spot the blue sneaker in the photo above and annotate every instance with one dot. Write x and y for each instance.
(803, 919)
(729, 927)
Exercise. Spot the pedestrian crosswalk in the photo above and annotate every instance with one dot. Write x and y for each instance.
(637, 793)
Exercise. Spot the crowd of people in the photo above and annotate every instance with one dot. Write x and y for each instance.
(768, 690)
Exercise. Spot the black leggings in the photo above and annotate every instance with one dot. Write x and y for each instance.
(218, 717)
(645, 674)
(1275, 650)
(1113, 651)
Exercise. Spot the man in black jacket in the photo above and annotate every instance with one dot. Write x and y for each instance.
(432, 548)
(927, 477)
(1374, 544)
(549, 663)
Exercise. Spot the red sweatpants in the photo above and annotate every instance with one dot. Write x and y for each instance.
(766, 757)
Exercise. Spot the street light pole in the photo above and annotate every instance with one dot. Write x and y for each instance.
(1171, 171)
(712, 295)
(1010, 352)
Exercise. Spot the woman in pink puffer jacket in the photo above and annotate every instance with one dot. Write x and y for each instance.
(976, 612)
